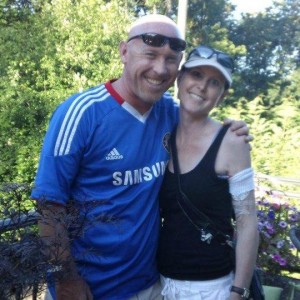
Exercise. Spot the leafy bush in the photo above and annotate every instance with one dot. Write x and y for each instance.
(26, 258)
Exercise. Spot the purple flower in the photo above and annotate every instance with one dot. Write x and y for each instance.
(280, 244)
(260, 213)
(276, 257)
(260, 226)
(269, 226)
(275, 219)
(283, 224)
(276, 206)
(293, 217)
(271, 214)
(282, 261)
(266, 234)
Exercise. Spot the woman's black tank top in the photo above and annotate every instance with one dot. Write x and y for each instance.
(181, 253)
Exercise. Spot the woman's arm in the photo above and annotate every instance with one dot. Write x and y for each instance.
(241, 187)
(247, 240)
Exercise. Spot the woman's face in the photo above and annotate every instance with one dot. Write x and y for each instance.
(200, 89)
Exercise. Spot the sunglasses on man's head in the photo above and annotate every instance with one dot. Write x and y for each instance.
(159, 40)
(206, 52)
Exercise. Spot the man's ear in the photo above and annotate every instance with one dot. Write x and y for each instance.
(123, 52)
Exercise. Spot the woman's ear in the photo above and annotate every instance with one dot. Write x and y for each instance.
(225, 93)
(179, 76)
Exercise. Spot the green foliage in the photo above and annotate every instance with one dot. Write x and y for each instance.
(14, 200)
(12, 11)
(274, 122)
(59, 48)
(272, 43)
(87, 35)
(51, 49)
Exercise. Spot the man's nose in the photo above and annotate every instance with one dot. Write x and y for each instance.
(160, 66)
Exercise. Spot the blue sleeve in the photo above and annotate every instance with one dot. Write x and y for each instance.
(61, 155)
(54, 178)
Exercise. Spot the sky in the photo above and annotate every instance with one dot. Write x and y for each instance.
(252, 6)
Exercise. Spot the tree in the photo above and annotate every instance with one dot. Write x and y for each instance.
(12, 11)
(273, 53)
(51, 49)
(274, 120)
(61, 48)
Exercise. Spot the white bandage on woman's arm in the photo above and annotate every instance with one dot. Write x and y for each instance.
(240, 187)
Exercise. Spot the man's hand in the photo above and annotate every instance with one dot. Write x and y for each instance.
(240, 128)
(73, 289)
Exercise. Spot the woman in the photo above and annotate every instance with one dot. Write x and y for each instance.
(217, 178)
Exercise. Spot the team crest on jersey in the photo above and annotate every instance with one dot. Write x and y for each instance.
(165, 141)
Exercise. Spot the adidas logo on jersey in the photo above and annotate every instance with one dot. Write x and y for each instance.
(114, 154)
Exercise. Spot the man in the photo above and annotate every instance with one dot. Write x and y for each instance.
(106, 149)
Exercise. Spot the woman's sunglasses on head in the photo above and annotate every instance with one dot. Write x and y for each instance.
(159, 40)
(206, 52)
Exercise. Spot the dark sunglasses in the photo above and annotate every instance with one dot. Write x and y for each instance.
(206, 52)
(158, 40)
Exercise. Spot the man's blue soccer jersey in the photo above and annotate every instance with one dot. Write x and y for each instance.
(110, 160)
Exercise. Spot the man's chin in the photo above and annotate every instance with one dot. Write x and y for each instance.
(152, 100)
(155, 95)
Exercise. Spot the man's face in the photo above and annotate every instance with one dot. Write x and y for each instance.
(149, 71)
